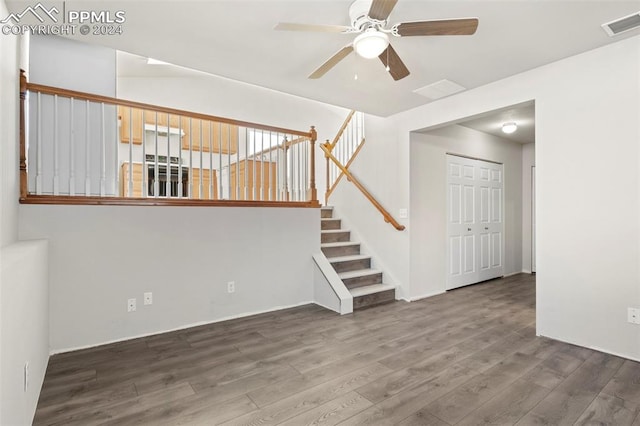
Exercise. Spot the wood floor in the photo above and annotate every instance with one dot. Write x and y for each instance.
(468, 357)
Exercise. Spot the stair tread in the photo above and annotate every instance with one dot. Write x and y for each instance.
(358, 273)
(340, 244)
(371, 289)
(326, 207)
(332, 231)
(348, 258)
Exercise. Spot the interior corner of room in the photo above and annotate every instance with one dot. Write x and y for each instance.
(477, 203)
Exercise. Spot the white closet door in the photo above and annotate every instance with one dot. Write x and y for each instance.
(474, 221)
(461, 217)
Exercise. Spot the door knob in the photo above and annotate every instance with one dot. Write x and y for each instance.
(486, 229)
(468, 229)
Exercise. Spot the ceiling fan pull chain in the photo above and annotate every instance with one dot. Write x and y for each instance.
(388, 67)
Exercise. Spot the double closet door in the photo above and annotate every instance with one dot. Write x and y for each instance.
(475, 221)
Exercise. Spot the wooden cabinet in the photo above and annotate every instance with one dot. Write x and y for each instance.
(136, 178)
(208, 180)
(217, 137)
(130, 124)
(264, 183)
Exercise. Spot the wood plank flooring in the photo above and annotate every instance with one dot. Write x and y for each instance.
(467, 357)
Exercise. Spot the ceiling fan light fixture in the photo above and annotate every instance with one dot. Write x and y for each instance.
(509, 127)
(371, 43)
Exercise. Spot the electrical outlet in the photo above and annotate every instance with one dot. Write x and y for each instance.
(131, 305)
(403, 213)
(231, 287)
(633, 315)
(148, 298)
(26, 376)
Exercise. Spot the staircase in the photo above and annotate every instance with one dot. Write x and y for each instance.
(354, 269)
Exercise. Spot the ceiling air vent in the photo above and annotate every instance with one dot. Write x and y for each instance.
(439, 89)
(621, 25)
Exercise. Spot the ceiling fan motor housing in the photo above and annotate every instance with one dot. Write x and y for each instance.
(359, 15)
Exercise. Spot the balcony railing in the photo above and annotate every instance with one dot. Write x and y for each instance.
(82, 148)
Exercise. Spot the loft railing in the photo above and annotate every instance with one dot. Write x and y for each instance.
(343, 150)
(80, 148)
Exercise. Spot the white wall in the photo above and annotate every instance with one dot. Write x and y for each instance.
(377, 167)
(587, 163)
(528, 161)
(9, 134)
(24, 323)
(101, 256)
(69, 64)
(23, 279)
(428, 200)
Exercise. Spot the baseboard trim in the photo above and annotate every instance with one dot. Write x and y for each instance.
(516, 273)
(422, 296)
(182, 327)
(595, 348)
(326, 307)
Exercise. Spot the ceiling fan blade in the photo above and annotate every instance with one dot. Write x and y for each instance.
(465, 26)
(381, 9)
(397, 68)
(289, 26)
(332, 62)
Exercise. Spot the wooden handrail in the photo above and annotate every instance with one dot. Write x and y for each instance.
(387, 216)
(164, 202)
(25, 197)
(48, 90)
(335, 184)
(341, 131)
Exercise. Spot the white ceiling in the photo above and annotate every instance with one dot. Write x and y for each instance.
(491, 122)
(235, 39)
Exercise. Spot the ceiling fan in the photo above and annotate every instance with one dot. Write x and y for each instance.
(369, 21)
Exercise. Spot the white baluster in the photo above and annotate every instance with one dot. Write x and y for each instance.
(72, 150)
(103, 153)
(56, 159)
(39, 147)
(87, 143)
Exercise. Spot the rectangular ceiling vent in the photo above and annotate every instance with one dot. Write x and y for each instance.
(621, 25)
(439, 89)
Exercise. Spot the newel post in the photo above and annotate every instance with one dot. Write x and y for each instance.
(313, 192)
(327, 145)
(23, 141)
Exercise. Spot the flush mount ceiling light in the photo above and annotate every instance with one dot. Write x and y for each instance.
(510, 127)
(371, 43)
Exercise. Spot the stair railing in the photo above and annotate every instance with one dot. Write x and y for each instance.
(345, 147)
(351, 134)
(82, 148)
